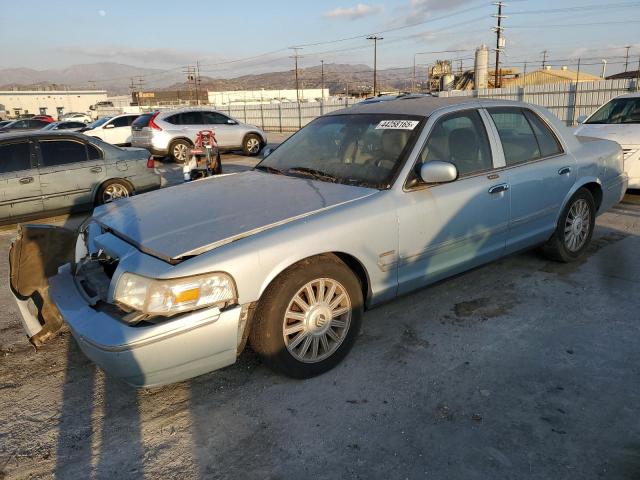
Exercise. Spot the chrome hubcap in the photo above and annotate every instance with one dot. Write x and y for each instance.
(317, 320)
(253, 145)
(180, 152)
(577, 225)
(114, 192)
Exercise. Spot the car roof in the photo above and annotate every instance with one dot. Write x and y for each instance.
(39, 133)
(420, 106)
(189, 109)
(629, 95)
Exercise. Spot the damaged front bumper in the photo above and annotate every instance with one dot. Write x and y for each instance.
(143, 355)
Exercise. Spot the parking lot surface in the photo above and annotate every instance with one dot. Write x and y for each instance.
(524, 368)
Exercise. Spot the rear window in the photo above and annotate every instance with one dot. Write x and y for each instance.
(142, 120)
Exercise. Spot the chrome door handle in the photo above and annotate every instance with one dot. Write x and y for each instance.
(503, 187)
(564, 171)
(96, 169)
(26, 180)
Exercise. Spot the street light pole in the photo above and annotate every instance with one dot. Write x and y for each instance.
(375, 39)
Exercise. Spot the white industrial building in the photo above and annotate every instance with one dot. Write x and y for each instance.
(255, 97)
(51, 102)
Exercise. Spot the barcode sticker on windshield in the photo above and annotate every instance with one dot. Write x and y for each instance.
(397, 124)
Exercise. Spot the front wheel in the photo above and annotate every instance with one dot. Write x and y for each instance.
(309, 317)
(574, 230)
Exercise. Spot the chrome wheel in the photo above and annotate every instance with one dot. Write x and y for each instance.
(180, 152)
(114, 191)
(577, 225)
(317, 320)
(253, 145)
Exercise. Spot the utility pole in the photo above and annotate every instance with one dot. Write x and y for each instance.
(190, 72)
(322, 78)
(197, 82)
(626, 58)
(544, 58)
(375, 39)
(499, 41)
(295, 57)
(139, 87)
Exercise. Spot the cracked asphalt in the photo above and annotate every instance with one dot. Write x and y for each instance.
(523, 368)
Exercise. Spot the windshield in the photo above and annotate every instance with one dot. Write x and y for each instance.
(618, 110)
(97, 123)
(50, 126)
(363, 149)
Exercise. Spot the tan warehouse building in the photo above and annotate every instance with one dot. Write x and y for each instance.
(14, 103)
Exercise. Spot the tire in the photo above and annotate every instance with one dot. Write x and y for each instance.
(178, 150)
(571, 239)
(251, 145)
(330, 337)
(112, 190)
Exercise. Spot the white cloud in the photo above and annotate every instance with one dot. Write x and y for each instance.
(421, 10)
(361, 10)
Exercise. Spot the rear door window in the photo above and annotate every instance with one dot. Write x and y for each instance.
(14, 157)
(214, 118)
(121, 122)
(519, 143)
(61, 152)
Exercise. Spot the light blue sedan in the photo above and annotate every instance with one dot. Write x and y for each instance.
(355, 209)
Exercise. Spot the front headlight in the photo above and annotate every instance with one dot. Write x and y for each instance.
(167, 297)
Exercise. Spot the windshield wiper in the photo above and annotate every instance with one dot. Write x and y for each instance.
(319, 174)
(267, 168)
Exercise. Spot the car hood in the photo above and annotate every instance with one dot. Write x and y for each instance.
(624, 134)
(190, 219)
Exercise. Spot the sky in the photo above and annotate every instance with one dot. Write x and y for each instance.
(236, 38)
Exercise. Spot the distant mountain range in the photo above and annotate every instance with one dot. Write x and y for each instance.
(116, 78)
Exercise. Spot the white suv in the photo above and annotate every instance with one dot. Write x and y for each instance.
(173, 132)
(114, 130)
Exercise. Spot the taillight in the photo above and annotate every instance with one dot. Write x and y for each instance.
(153, 124)
(151, 163)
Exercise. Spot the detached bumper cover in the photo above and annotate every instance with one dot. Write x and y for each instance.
(148, 355)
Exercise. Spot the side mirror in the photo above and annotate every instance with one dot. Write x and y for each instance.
(109, 125)
(232, 122)
(267, 151)
(581, 118)
(438, 172)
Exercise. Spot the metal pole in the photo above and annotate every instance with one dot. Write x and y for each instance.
(375, 39)
(413, 79)
(498, 29)
(626, 59)
(575, 99)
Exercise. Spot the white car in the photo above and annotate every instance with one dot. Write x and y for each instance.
(618, 120)
(76, 117)
(114, 130)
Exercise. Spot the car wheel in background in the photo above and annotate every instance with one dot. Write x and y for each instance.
(309, 317)
(252, 145)
(179, 150)
(575, 228)
(112, 190)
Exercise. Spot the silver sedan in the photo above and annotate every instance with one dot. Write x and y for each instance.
(355, 209)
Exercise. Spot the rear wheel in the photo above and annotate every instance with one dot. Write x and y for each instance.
(179, 150)
(309, 317)
(113, 190)
(574, 230)
(252, 145)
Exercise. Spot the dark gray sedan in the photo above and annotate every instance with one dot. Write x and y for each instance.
(49, 173)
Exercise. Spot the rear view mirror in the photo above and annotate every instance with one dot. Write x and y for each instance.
(438, 172)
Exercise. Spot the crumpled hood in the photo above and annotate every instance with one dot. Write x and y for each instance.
(190, 219)
(624, 134)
